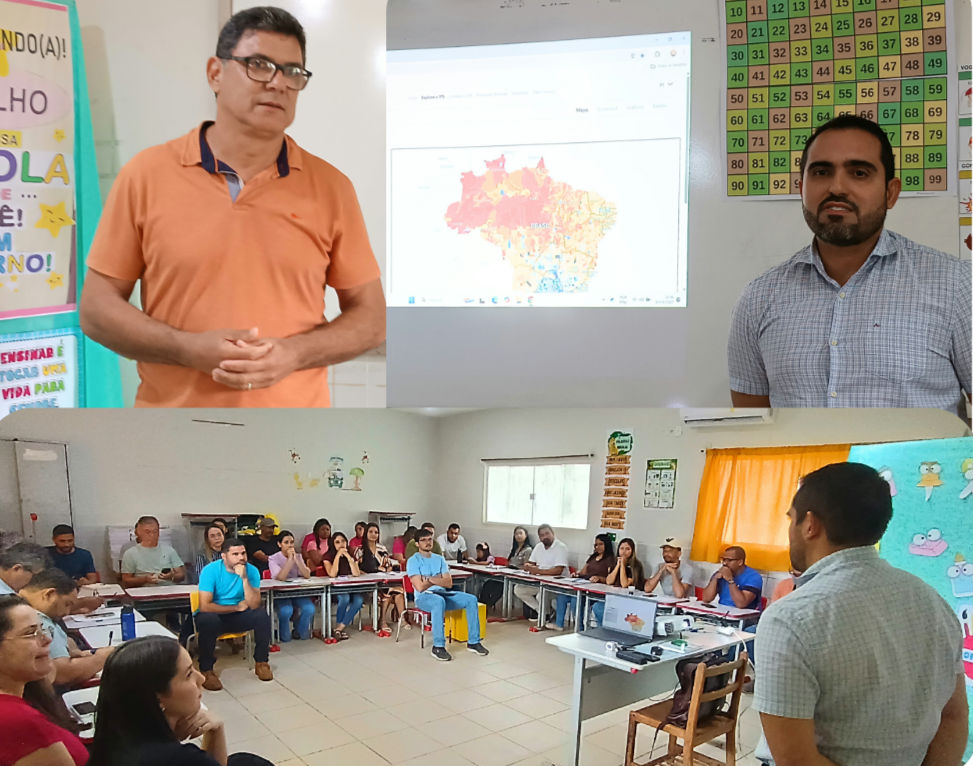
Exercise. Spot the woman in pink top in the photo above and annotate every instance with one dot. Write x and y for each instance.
(359, 535)
(315, 546)
(31, 736)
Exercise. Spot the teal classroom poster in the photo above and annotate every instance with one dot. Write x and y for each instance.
(49, 208)
(931, 532)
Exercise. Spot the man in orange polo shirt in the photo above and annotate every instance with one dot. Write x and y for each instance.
(234, 232)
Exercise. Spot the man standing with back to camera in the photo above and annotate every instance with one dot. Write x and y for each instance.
(234, 232)
(862, 317)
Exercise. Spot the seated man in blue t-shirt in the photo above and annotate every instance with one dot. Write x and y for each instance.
(431, 578)
(229, 602)
(737, 584)
(75, 562)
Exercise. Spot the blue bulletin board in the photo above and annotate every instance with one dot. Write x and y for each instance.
(931, 532)
(49, 208)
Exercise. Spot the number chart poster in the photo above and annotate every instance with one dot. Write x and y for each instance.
(792, 65)
(37, 203)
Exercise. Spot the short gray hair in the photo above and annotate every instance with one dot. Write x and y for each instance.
(30, 556)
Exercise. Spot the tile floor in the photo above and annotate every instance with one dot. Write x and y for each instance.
(371, 702)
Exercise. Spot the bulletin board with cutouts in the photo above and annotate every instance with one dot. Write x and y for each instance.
(792, 65)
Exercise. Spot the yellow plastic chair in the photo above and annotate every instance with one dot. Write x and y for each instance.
(247, 635)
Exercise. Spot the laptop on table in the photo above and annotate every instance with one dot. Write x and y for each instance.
(628, 620)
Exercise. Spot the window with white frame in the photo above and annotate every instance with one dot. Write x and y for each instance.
(532, 491)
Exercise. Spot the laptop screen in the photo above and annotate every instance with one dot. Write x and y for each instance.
(629, 614)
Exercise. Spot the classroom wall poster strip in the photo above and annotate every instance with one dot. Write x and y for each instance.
(618, 466)
(964, 111)
(37, 206)
(792, 65)
(39, 369)
(660, 484)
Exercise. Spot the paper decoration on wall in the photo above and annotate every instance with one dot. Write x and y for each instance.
(295, 456)
(929, 544)
(37, 208)
(356, 474)
(618, 465)
(364, 458)
(334, 474)
(929, 471)
(39, 369)
(960, 576)
(660, 483)
(951, 572)
(965, 614)
(886, 473)
(966, 467)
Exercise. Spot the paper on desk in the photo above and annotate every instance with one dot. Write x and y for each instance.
(99, 590)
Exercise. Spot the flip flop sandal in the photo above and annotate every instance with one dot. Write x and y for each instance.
(341, 635)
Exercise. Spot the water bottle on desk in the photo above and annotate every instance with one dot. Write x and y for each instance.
(128, 621)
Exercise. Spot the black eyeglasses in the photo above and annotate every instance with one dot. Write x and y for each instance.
(263, 70)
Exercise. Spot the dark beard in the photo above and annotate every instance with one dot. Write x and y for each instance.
(845, 234)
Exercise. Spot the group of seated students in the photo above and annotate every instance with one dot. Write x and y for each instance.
(149, 696)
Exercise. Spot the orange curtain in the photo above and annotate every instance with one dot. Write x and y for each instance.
(744, 496)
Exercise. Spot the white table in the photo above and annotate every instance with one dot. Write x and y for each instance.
(727, 615)
(105, 615)
(98, 636)
(603, 682)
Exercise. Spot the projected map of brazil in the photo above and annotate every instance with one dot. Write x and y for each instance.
(548, 230)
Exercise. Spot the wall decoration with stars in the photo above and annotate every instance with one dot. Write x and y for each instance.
(792, 65)
(49, 207)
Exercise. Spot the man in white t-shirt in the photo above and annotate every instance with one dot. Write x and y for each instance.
(549, 557)
(674, 575)
(452, 543)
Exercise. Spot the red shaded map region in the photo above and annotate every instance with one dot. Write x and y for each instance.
(548, 230)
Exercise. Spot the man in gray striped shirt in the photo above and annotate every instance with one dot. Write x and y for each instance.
(862, 317)
(862, 664)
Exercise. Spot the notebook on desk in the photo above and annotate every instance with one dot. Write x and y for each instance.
(627, 620)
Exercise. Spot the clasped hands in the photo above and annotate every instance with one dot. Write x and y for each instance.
(241, 359)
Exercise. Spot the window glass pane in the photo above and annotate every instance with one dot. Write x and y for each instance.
(508, 494)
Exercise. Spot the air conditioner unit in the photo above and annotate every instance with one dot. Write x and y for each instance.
(709, 417)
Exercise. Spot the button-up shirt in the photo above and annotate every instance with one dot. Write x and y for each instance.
(871, 653)
(897, 334)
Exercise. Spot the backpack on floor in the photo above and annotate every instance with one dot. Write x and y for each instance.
(686, 673)
(491, 593)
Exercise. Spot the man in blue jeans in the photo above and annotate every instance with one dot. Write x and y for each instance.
(431, 580)
(229, 602)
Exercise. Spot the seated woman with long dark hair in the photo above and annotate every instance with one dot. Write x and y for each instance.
(34, 732)
(149, 703)
(373, 557)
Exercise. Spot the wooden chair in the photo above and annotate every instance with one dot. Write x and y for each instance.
(247, 635)
(696, 732)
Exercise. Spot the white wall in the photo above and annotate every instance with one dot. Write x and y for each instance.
(466, 438)
(124, 464)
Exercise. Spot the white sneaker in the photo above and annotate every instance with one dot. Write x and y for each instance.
(552, 626)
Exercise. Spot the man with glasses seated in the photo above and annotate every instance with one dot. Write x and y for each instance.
(734, 582)
(739, 586)
(52, 593)
(235, 231)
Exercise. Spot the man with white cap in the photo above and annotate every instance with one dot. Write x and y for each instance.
(674, 575)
